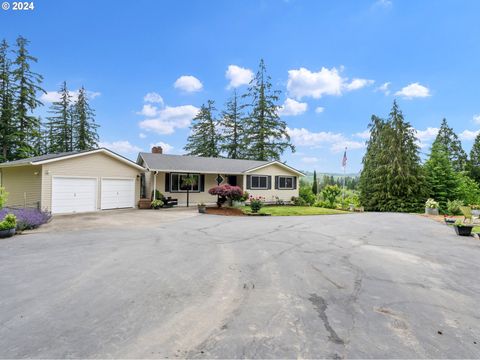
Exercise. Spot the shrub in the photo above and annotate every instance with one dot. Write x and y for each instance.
(8, 222)
(431, 204)
(330, 193)
(27, 219)
(467, 189)
(453, 207)
(158, 195)
(322, 204)
(307, 195)
(245, 196)
(227, 191)
(156, 204)
(256, 203)
(298, 201)
(3, 197)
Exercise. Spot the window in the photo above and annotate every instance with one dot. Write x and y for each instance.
(258, 182)
(177, 182)
(285, 182)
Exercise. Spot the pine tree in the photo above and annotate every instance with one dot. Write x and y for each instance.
(60, 123)
(26, 87)
(233, 139)
(392, 178)
(84, 134)
(315, 183)
(203, 140)
(266, 134)
(7, 126)
(450, 141)
(474, 161)
(440, 175)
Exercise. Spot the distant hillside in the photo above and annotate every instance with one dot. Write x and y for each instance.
(309, 175)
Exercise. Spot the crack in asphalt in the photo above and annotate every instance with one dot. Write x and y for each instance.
(321, 305)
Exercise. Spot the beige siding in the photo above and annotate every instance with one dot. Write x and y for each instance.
(23, 184)
(94, 166)
(270, 195)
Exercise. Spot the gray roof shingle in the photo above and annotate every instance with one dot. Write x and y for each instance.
(38, 158)
(165, 162)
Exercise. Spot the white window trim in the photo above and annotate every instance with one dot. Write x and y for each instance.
(286, 188)
(259, 188)
(184, 191)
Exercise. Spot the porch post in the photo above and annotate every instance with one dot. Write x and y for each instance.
(154, 185)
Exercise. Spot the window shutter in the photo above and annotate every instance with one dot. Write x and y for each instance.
(276, 182)
(294, 182)
(248, 181)
(202, 183)
(269, 182)
(167, 182)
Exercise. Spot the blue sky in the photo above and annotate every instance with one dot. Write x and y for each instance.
(336, 63)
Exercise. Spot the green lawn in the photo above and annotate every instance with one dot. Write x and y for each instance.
(294, 210)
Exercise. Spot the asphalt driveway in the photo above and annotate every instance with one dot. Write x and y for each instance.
(341, 286)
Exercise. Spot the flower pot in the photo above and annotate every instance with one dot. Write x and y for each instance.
(7, 233)
(464, 230)
(450, 221)
(431, 211)
(476, 213)
(202, 209)
(237, 204)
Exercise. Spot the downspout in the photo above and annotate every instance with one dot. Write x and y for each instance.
(155, 185)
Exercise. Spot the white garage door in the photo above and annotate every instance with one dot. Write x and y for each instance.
(73, 194)
(118, 193)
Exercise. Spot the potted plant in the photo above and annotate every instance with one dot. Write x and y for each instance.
(475, 210)
(463, 229)
(202, 208)
(449, 220)
(8, 226)
(156, 204)
(431, 207)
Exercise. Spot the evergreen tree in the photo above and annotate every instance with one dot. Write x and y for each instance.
(440, 175)
(392, 178)
(233, 140)
(450, 141)
(474, 162)
(266, 134)
(84, 134)
(60, 123)
(315, 183)
(7, 126)
(27, 84)
(203, 140)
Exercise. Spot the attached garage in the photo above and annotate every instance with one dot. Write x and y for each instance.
(73, 182)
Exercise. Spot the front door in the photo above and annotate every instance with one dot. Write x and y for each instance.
(232, 180)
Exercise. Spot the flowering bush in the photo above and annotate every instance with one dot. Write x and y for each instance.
(27, 218)
(431, 204)
(256, 203)
(228, 191)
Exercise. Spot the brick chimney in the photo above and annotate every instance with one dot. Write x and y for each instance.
(157, 150)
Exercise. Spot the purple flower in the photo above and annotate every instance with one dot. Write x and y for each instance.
(27, 218)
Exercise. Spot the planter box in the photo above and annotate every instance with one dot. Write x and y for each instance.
(144, 203)
(7, 233)
(431, 211)
(465, 230)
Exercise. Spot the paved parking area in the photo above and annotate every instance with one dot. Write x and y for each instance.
(341, 286)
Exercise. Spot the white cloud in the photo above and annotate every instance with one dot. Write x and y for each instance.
(384, 88)
(319, 109)
(170, 118)
(120, 146)
(292, 108)
(167, 148)
(153, 97)
(363, 135)
(383, 3)
(413, 90)
(468, 134)
(53, 96)
(476, 119)
(336, 141)
(148, 110)
(349, 144)
(188, 83)
(238, 76)
(428, 134)
(356, 84)
(309, 159)
(142, 136)
(305, 83)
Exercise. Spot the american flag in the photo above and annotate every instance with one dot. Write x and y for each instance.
(344, 160)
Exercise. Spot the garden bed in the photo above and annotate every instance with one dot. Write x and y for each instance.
(226, 211)
(287, 210)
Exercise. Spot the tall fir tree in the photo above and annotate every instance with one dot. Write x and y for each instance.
(60, 122)
(473, 164)
(7, 125)
(450, 141)
(203, 140)
(85, 130)
(233, 137)
(26, 86)
(440, 175)
(392, 178)
(266, 134)
(315, 183)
